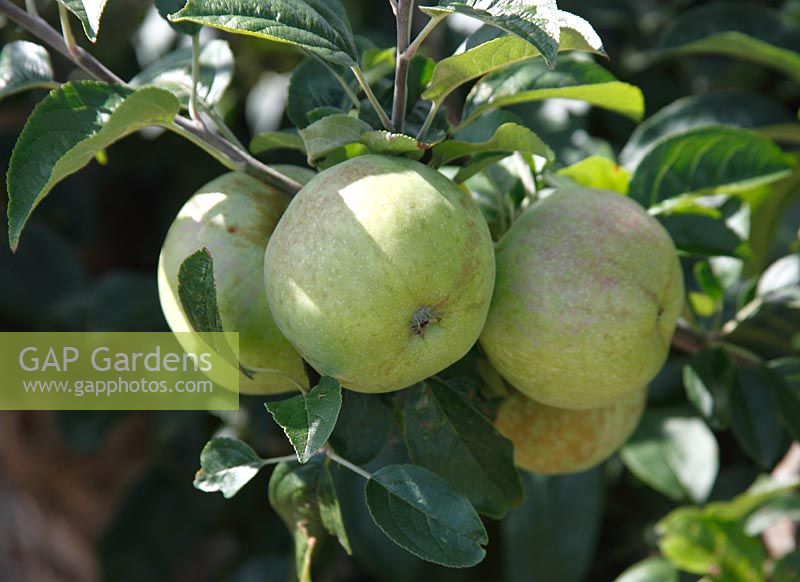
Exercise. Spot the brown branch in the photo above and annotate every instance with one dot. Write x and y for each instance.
(687, 340)
(240, 160)
(405, 10)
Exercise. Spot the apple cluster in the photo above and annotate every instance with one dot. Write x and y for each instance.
(381, 272)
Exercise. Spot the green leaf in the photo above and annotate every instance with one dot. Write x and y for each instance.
(318, 26)
(673, 453)
(768, 325)
(385, 143)
(314, 86)
(65, 132)
(174, 73)
(736, 108)
(554, 534)
(508, 138)
(494, 55)
(703, 544)
(763, 490)
(779, 508)
(747, 31)
(363, 428)
(753, 413)
(708, 281)
(574, 79)
(226, 465)
(294, 493)
(537, 23)
(707, 160)
(787, 569)
(425, 515)
(598, 172)
(782, 274)
(650, 570)
(277, 140)
(446, 434)
(709, 377)
(198, 292)
(89, 12)
(308, 419)
(329, 509)
(330, 133)
(23, 66)
(786, 388)
(707, 227)
(167, 7)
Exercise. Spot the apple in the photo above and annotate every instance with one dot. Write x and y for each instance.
(233, 216)
(380, 273)
(589, 289)
(555, 441)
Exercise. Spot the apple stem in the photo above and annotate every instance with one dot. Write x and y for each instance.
(347, 464)
(195, 76)
(385, 121)
(66, 29)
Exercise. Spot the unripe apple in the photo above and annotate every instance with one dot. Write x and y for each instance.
(588, 292)
(380, 273)
(554, 441)
(233, 216)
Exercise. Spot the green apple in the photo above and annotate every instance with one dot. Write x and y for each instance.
(554, 441)
(233, 216)
(588, 292)
(380, 273)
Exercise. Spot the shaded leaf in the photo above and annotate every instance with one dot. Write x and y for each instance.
(786, 388)
(753, 413)
(554, 534)
(674, 453)
(708, 378)
(703, 231)
(742, 30)
(174, 73)
(24, 65)
(294, 494)
(277, 140)
(314, 86)
(167, 7)
(736, 108)
(446, 434)
(329, 510)
(365, 422)
(425, 515)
